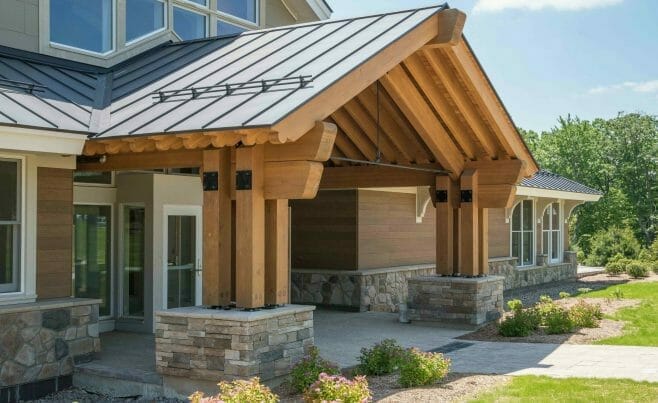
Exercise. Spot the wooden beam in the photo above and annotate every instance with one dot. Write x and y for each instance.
(316, 145)
(276, 252)
(451, 25)
(368, 125)
(292, 179)
(144, 161)
(413, 105)
(250, 234)
(345, 145)
(217, 230)
(354, 133)
(373, 176)
(445, 259)
(469, 261)
(483, 240)
(499, 172)
(496, 196)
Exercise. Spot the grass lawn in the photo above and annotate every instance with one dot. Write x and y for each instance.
(545, 389)
(641, 327)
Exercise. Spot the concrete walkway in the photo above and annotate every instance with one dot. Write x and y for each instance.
(558, 360)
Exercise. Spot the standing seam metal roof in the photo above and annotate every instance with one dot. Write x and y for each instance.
(547, 180)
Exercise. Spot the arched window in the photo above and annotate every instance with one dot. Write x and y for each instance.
(523, 235)
(551, 232)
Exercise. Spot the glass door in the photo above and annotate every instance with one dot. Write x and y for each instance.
(183, 259)
(92, 234)
(551, 232)
(134, 239)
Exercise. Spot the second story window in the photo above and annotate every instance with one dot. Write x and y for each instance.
(83, 24)
(144, 17)
(243, 9)
(225, 28)
(190, 25)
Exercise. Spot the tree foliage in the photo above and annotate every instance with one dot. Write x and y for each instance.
(617, 156)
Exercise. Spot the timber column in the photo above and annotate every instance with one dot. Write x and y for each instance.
(445, 226)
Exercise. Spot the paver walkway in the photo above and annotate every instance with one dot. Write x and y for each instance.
(558, 360)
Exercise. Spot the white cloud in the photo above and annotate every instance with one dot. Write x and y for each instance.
(643, 86)
(533, 5)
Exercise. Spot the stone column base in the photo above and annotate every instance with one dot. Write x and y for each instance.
(460, 300)
(213, 345)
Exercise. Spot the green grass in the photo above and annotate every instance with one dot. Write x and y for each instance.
(544, 389)
(641, 327)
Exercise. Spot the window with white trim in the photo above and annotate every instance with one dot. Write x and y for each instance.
(83, 24)
(190, 24)
(551, 232)
(244, 9)
(10, 225)
(144, 18)
(523, 234)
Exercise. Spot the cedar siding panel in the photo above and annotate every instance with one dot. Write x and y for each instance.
(324, 231)
(388, 233)
(54, 232)
(499, 233)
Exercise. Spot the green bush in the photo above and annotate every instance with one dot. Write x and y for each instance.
(383, 358)
(615, 268)
(521, 323)
(558, 321)
(584, 314)
(607, 243)
(238, 391)
(637, 269)
(420, 368)
(584, 290)
(309, 368)
(336, 388)
(564, 294)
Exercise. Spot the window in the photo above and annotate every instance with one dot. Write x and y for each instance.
(523, 233)
(199, 2)
(224, 28)
(82, 24)
(134, 242)
(10, 225)
(101, 178)
(244, 9)
(551, 232)
(144, 17)
(189, 25)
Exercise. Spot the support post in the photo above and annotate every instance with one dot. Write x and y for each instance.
(250, 227)
(469, 262)
(483, 220)
(445, 258)
(217, 227)
(276, 252)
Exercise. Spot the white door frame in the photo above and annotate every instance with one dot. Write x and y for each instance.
(183, 210)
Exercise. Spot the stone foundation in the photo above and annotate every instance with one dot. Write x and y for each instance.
(461, 300)
(213, 345)
(517, 277)
(364, 290)
(40, 342)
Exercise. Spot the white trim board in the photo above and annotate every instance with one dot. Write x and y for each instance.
(42, 141)
(555, 194)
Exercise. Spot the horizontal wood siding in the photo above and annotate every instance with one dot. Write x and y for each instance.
(54, 232)
(324, 231)
(388, 232)
(499, 233)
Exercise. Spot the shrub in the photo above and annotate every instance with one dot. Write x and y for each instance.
(584, 314)
(308, 369)
(558, 321)
(420, 368)
(336, 388)
(607, 243)
(515, 305)
(383, 358)
(238, 391)
(584, 290)
(637, 269)
(564, 294)
(615, 268)
(520, 324)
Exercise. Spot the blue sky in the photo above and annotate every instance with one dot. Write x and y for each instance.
(589, 58)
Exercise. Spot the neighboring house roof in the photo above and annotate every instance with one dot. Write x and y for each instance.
(120, 101)
(549, 181)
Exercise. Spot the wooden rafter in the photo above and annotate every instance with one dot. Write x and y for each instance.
(355, 134)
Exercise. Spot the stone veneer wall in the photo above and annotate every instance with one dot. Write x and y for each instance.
(460, 300)
(206, 344)
(517, 277)
(365, 290)
(40, 342)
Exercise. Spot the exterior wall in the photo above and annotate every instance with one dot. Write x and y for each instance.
(19, 24)
(379, 290)
(276, 14)
(41, 342)
(517, 277)
(388, 233)
(54, 222)
(324, 231)
(499, 233)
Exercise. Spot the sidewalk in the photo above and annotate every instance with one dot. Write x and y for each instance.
(558, 360)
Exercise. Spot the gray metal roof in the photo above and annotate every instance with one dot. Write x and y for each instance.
(120, 101)
(547, 180)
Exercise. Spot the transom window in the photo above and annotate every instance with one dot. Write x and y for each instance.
(523, 233)
(83, 24)
(10, 225)
(551, 232)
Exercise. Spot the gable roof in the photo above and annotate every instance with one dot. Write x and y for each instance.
(550, 181)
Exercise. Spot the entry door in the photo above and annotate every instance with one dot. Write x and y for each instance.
(183, 257)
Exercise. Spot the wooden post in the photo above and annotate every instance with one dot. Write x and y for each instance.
(276, 252)
(445, 261)
(483, 221)
(217, 228)
(250, 227)
(469, 230)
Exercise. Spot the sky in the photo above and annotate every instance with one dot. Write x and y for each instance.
(550, 58)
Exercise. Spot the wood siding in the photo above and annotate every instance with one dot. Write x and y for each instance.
(499, 233)
(388, 233)
(54, 232)
(324, 231)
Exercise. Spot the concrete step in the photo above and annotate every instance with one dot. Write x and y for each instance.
(117, 382)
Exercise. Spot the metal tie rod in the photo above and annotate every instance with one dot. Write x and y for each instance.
(384, 164)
